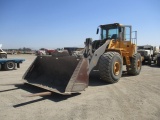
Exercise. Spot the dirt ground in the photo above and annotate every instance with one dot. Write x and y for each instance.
(132, 98)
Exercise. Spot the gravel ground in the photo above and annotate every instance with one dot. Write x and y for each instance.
(132, 98)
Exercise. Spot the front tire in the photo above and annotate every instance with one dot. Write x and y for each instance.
(110, 67)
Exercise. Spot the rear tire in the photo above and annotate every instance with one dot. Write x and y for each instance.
(110, 67)
(9, 65)
(136, 64)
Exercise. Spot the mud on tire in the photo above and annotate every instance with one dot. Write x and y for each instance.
(110, 67)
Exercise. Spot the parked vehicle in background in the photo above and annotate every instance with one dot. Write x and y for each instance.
(10, 63)
(3, 54)
(44, 51)
(49, 52)
(74, 51)
(41, 51)
(148, 52)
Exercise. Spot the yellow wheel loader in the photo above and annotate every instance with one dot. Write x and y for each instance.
(115, 49)
(66, 74)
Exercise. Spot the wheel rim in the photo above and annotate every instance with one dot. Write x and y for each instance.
(116, 68)
(10, 65)
(138, 64)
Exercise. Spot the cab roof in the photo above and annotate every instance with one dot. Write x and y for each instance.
(113, 25)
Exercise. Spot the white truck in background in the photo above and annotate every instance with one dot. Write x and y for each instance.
(149, 53)
(3, 54)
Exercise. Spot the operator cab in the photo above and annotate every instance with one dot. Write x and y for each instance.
(115, 31)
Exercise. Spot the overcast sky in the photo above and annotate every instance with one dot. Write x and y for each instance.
(64, 23)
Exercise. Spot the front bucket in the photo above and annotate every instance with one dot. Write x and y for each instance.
(64, 75)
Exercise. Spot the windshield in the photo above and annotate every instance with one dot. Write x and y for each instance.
(144, 48)
(109, 33)
(140, 47)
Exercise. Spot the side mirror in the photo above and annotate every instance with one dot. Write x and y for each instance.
(97, 30)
